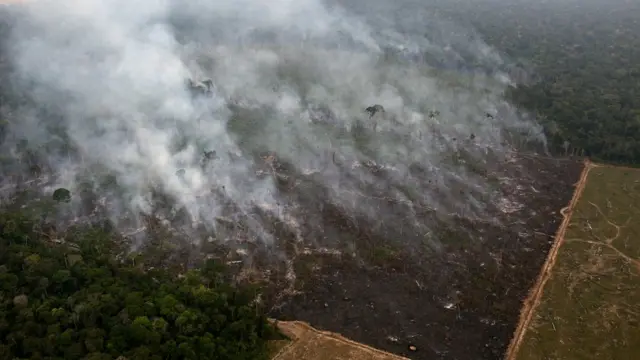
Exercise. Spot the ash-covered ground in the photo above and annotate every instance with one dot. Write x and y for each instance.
(240, 131)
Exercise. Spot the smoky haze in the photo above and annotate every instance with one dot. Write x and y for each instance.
(290, 77)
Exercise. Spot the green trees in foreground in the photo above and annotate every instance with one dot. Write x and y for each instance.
(74, 299)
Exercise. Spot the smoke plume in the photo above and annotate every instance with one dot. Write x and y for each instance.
(288, 77)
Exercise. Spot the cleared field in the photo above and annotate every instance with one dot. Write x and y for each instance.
(311, 344)
(590, 305)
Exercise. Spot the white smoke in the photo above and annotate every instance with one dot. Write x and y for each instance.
(289, 76)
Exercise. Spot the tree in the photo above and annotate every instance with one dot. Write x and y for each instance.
(62, 195)
(99, 308)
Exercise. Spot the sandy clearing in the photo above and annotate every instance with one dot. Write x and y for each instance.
(311, 344)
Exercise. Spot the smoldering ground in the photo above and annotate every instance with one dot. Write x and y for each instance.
(108, 109)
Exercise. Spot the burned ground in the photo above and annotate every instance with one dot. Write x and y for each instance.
(446, 282)
(459, 301)
(450, 286)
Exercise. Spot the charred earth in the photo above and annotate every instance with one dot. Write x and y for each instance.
(427, 253)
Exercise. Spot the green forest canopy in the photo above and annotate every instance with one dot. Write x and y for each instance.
(585, 57)
(72, 299)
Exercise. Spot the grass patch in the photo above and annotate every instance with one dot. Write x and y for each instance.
(590, 308)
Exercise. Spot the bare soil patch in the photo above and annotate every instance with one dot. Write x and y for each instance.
(310, 344)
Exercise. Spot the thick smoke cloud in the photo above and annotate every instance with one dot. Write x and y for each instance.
(289, 76)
